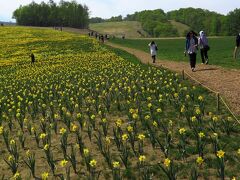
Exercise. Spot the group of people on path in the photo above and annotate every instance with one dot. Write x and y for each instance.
(98, 36)
(193, 43)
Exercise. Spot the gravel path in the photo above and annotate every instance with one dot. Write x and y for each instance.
(224, 81)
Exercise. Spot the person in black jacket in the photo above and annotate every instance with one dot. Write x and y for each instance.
(237, 47)
(32, 58)
(191, 48)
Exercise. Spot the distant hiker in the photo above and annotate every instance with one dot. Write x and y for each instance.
(32, 58)
(102, 39)
(191, 48)
(153, 50)
(237, 47)
(204, 47)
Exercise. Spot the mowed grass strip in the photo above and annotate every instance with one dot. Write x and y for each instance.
(127, 28)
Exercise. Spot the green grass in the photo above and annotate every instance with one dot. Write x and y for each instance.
(221, 52)
(129, 28)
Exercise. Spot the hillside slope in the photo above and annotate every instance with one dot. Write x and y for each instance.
(130, 29)
(181, 28)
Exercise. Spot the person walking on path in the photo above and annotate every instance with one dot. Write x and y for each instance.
(237, 47)
(191, 48)
(32, 58)
(153, 50)
(204, 47)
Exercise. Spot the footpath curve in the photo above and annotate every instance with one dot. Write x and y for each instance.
(224, 81)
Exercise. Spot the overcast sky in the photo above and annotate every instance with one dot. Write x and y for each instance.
(108, 8)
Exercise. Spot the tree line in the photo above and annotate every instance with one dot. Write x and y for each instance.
(156, 22)
(70, 14)
(211, 22)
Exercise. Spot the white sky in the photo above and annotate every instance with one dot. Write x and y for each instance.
(108, 8)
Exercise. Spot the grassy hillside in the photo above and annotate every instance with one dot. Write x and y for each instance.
(181, 28)
(129, 28)
(221, 52)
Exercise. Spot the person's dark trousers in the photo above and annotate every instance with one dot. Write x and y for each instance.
(154, 58)
(204, 55)
(193, 57)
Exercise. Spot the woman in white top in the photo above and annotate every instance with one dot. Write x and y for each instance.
(153, 50)
(204, 48)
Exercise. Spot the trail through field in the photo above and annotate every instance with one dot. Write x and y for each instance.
(224, 81)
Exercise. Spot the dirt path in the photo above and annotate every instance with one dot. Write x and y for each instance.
(224, 81)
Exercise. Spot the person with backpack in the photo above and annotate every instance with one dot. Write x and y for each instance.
(191, 48)
(153, 50)
(237, 47)
(204, 47)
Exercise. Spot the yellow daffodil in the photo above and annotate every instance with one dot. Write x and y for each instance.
(141, 136)
(85, 152)
(200, 98)
(1, 130)
(45, 176)
(93, 163)
(43, 136)
(108, 140)
(238, 151)
(198, 111)
(215, 118)
(17, 176)
(201, 134)
(149, 105)
(46, 147)
(12, 142)
(155, 124)
(147, 117)
(182, 131)
(124, 137)
(93, 117)
(130, 128)
(220, 154)
(63, 163)
(167, 162)
(116, 164)
(135, 116)
(119, 122)
(104, 120)
(142, 158)
(200, 160)
(74, 128)
(63, 131)
(183, 109)
(194, 118)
